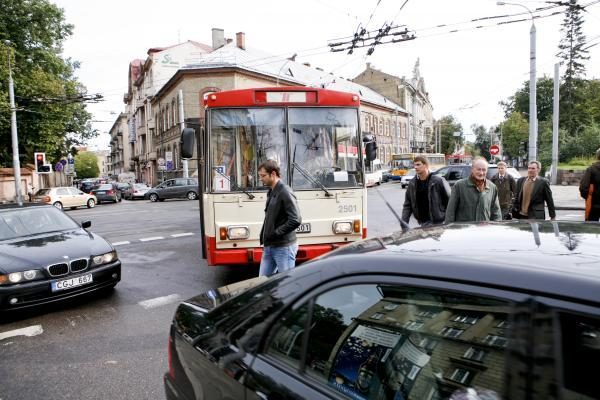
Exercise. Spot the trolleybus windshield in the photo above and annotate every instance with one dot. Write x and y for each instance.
(324, 141)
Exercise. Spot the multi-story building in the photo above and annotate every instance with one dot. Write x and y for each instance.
(120, 149)
(160, 105)
(412, 96)
(145, 78)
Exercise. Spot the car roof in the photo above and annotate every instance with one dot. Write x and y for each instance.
(555, 258)
(12, 206)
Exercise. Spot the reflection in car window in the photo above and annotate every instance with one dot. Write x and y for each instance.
(32, 221)
(424, 344)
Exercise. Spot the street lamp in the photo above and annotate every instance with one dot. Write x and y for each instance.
(13, 130)
(532, 153)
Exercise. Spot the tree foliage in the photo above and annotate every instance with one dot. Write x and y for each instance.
(86, 165)
(51, 116)
(451, 134)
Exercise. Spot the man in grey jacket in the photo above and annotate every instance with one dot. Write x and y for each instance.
(426, 196)
(474, 198)
(282, 217)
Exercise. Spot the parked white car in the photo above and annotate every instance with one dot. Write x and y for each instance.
(407, 177)
(67, 196)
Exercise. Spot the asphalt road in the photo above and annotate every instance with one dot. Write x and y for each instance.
(114, 346)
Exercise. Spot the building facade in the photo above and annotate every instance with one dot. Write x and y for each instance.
(413, 97)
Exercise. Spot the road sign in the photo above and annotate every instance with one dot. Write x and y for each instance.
(161, 162)
(58, 167)
(494, 149)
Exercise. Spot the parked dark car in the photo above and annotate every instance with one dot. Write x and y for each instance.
(123, 187)
(45, 256)
(499, 310)
(87, 186)
(452, 173)
(178, 188)
(107, 192)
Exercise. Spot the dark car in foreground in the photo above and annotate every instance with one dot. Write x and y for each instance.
(495, 310)
(179, 188)
(45, 256)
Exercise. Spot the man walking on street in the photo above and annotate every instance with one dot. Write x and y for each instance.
(589, 188)
(282, 217)
(474, 198)
(505, 184)
(532, 192)
(426, 196)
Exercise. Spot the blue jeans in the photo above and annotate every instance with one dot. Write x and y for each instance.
(277, 259)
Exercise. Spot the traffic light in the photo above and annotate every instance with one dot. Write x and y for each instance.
(40, 163)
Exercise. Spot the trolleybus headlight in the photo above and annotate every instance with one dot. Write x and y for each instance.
(238, 232)
(342, 227)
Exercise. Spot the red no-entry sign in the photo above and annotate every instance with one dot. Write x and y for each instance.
(494, 149)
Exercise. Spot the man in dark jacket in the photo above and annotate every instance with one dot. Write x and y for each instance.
(532, 192)
(505, 184)
(426, 196)
(592, 177)
(282, 217)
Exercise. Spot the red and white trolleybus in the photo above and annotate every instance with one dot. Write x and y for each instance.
(313, 134)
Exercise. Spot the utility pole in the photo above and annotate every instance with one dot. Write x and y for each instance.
(184, 161)
(13, 131)
(555, 115)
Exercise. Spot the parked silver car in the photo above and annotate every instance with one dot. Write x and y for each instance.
(178, 188)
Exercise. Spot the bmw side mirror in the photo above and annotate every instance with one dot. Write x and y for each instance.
(187, 142)
(86, 224)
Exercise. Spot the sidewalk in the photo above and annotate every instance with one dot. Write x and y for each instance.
(567, 197)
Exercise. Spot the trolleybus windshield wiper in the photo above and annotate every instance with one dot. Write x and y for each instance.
(233, 184)
(311, 179)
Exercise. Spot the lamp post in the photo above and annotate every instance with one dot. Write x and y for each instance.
(13, 131)
(532, 150)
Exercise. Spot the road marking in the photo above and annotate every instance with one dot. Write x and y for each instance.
(151, 238)
(121, 243)
(33, 330)
(182, 234)
(159, 301)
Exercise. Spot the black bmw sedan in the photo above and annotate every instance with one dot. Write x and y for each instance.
(464, 311)
(46, 256)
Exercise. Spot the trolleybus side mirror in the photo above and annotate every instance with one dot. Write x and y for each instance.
(187, 142)
(370, 147)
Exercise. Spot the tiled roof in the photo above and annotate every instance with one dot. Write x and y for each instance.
(258, 61)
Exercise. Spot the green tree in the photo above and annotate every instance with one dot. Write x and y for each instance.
(572, 52)
(51, 114)
(86, 165)
(483, 141)
(519, 102)
(452, 136)
(515, 132)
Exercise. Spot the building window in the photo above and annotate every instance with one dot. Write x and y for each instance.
(428, 343)
(463, 376)
(495, 340)
(465, 319)
(427, 314)
(451, 332)
(377, 316)
(414, 325)
(503, 324)
(390, 307)
(475, 354)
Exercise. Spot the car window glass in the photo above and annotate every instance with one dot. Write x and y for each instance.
(62, 192)
(32, 221)
(580, 342)
(73, 191)
(442, 172)
(180, 182)
(192, 182)
(454, 174)
(385, 341)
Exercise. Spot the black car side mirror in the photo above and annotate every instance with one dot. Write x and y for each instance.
(86, 224)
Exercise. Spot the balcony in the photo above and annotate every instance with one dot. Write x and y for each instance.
(152, 156)
(141, 131)
(151, 124)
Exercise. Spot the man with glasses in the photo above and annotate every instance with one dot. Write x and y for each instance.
(282, 217)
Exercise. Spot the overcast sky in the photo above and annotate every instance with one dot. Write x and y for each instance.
(468, 67)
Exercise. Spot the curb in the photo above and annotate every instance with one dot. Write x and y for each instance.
(569, 208)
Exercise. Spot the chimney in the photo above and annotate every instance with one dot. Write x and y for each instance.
(240, 40)
(218, 38)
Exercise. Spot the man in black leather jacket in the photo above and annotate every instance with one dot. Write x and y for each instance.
(426, 196)
(282, 217)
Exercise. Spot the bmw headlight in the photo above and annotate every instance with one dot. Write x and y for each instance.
(104, 258)
(21, 277)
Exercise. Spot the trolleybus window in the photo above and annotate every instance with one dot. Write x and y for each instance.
(324, 143)
(240, 140)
